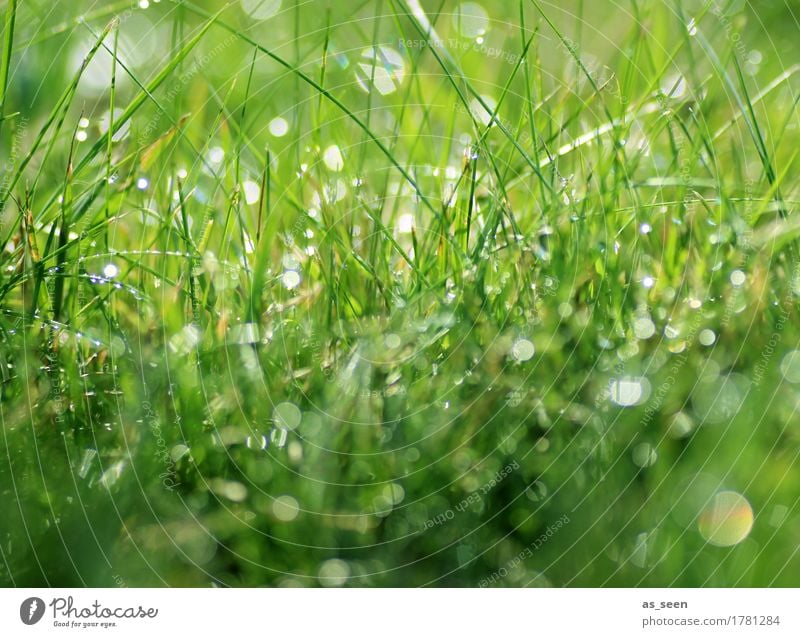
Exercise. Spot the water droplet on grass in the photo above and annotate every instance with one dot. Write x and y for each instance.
(230, 489)
(629, 391)
(522, 350)
(278, 127)
(392, 341)
(291, 279)
(259, 442)
(287, 415)
(278, 435)
(707, 337)
(334, 573)
(790, 366)
(178, 452)
(470, 19)
(285, 508)
(680, 425)
(252, 192)
(738, 278)
(726, 520)
(381, 68)
(643, 328)
(332, 157)
(644, 455)
(405, 223)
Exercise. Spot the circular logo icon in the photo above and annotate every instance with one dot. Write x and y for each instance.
(31, 610)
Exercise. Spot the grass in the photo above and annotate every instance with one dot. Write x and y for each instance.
(386, 294)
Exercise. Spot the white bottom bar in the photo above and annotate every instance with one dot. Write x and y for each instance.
(401, 612)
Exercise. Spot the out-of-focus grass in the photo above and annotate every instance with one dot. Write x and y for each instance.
(399, 293)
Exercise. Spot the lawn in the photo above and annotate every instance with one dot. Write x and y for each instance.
(399, 293)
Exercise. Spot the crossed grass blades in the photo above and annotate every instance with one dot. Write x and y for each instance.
(281, 282)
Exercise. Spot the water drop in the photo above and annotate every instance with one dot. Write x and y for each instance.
(287, 415)
(726, 520)
(522, 350)
(291, 279)
(334, 573)
(380, 67)
(707, 337)
(470, 19)
(738, 278)
(252, 192)
(644, 455)
(278, 127)
(629, 391)
(278, 435)
(285, 508)
(790, 366)
(110, 270)
(333, 158)
(643, 328)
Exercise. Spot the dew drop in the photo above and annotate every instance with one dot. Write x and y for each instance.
(470, 19)
(285, 508)
(629, 391)
(332, 157)
(278, 127)
(287, 415)
(252, 192)
(522, 350)
(790, 366)
(726, 520)
(334, 573)
(381, 68)
(644, 455)
(707, 337)
(291, 279)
